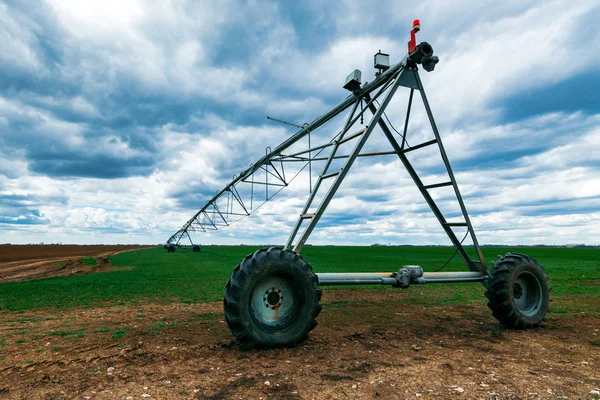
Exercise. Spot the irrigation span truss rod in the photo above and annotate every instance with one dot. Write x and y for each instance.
(212, 216)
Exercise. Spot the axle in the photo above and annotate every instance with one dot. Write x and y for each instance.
(410, 274)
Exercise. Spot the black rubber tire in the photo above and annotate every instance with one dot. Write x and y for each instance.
(196, 248)
(297, 285)
(518, 292)
(171, 248)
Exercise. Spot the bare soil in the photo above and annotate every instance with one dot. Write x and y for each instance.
(22, 262)
(368, 345)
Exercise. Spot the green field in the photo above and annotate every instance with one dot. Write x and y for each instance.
(184, 276)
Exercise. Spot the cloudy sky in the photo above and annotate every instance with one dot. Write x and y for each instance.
(120, 119)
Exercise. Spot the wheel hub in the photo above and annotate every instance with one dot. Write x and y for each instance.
(518, 291)
(527, 292)
(272, 298)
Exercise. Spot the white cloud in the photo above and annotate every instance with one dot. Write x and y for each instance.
(16, 42)
(527, 181)
(498, 58)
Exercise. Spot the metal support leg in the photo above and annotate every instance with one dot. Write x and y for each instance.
(315, 190)
(338, 140)
(434, 208)
(314, 219)
(473, 266)
(463, 208)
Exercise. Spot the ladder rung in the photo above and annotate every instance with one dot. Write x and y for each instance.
(455, 224)
(436, 185)
(307, 216)
(424, 144)
(329, 175)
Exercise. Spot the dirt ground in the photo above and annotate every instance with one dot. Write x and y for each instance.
(21, 262)
(368, 345)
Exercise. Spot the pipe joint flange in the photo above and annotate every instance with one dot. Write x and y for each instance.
(406, 275)
(402, 278)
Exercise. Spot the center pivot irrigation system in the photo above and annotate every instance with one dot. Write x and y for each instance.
(272, 297)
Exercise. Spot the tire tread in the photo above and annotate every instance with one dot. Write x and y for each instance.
(499, 291)
(233, 304)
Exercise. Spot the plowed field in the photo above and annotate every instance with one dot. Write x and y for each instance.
(20, 262)
(367, 346)
(152, 326)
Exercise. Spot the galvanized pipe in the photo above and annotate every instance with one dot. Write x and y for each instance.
(450, 277)
(420, 281)
(389, 278)
(357, 278)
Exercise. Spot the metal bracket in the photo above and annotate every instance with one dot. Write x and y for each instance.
(407, 79)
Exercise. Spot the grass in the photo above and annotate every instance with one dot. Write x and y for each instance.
(89, 261)
(71, 334)
(120, 333)
(156, 328)
(188, 277)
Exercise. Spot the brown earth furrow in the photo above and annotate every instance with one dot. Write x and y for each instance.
(21, 262)
(363, 348)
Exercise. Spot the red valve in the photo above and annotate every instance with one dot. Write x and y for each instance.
(412, 45)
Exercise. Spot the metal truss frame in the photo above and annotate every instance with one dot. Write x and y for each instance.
(269, 173)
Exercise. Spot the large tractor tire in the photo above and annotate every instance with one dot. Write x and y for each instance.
(171, 248)
(518, 292)
(196, 248)
(272, 299)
